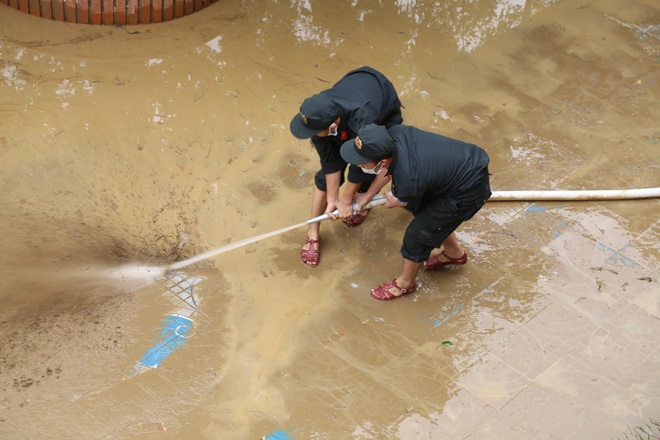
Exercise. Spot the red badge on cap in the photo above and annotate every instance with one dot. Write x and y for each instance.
(344, 135)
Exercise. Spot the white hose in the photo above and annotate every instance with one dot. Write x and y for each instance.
(615, 194)
(533, 196)
(498, 196)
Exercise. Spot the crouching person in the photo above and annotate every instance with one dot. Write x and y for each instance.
(443, 182)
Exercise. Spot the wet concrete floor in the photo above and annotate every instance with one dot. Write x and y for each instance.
(151, 144)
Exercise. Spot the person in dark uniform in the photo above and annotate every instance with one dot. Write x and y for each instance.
(363, 96)
(443, 182)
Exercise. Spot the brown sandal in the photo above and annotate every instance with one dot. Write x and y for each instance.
(310, 257)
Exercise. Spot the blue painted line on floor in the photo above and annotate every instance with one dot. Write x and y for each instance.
(173, 335)
(437, 320)
(560, 233)
(617, 259)
(278, 435)
(535, 209)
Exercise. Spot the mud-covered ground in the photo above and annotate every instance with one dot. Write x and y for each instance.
(150, 144)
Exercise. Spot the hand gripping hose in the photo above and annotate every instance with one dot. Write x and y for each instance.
(376, 201)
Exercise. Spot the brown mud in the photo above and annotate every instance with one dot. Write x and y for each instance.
(150, 144)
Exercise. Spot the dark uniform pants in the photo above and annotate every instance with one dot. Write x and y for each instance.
(441, 217)
(355, 175)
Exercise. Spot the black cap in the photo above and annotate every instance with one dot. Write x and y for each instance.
(372, 144)
(317, 113)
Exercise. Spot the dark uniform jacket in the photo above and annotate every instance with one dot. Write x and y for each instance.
(428, 166)
(364, 96)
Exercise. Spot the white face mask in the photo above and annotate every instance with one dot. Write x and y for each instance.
(332, 131)
(372, 170)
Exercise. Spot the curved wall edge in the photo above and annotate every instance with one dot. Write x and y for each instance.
(109, 12)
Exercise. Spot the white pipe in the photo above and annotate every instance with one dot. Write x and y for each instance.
(615, 194)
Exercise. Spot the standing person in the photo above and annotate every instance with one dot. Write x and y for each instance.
(441, 181)
(363, 96)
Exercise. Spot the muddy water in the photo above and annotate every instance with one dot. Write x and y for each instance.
(152, 144)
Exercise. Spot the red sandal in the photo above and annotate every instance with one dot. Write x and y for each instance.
(356, 220)
(433, 262)
(310, 257)
(382, 292)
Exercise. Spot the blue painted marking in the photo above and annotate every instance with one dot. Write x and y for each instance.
(559, 233)
(616, 259)
(437, 321)
(535, 209)
(278, 435)
(173, 336)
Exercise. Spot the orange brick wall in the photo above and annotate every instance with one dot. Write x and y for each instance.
(115, 12)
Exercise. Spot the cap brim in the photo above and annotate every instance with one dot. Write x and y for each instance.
(349, 154)
(300, 130)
